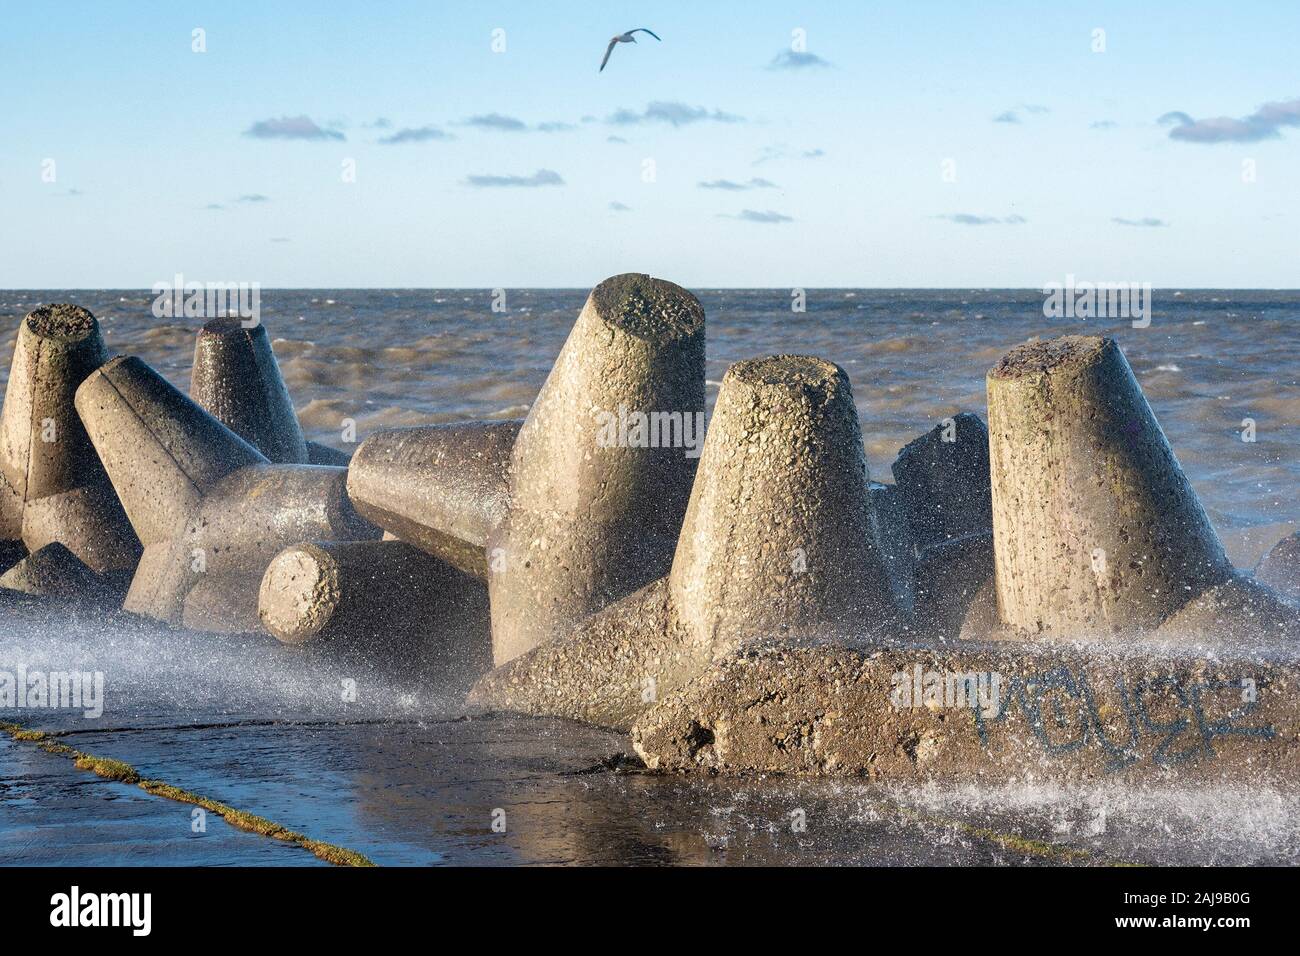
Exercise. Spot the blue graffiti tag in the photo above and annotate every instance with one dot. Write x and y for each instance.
(1073, 719)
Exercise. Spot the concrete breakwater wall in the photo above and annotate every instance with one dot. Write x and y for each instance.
(982, 712)
(1041, 596)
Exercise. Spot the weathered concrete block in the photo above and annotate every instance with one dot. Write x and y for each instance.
(779, 535)
(948, 580)
(442, 488)
(1241, 610)
(201, 498)
(1280, 568)
(53, 571)
(236, 378)
(52, 484)
(943, 481)
(984, 712)
(594, 516)
(607, 671)
(381, 598)
(1096, 528)
(223, 603)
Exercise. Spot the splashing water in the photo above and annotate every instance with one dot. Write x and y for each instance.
(153, 674)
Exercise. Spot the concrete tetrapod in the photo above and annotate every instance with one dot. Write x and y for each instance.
(1280, 568)
(779, 539)
(237, 379)
(379, 598)
(442, 488)
(52, 484)
(1096, 529)
(601, 471)
(201, 498)
(942, 479)
(55, 572)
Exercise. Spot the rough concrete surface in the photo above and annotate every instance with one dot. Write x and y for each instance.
(55, 572)
(1096, 527)
(235, 377)
(779, 534)
(53, 487)
(1280, 568)
(943, 481)
(1060, 712)
(594, 513)
(379, 597)
(442, 488)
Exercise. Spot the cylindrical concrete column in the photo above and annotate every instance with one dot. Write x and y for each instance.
(161, 450)
(1096, 529)
(57, 487)
(237, 379)
(781, 534)
(376, 595)
(602, 468)
(442, 488)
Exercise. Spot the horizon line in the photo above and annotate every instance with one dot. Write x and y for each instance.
(719, 288)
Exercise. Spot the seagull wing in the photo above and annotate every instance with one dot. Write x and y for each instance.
(644, 30)
(608, 50)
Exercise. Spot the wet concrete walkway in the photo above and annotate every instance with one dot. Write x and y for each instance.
(393, 774)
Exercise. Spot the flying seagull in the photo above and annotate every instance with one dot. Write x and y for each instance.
(623, 38)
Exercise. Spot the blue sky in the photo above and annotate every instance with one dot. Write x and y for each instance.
(169, 161)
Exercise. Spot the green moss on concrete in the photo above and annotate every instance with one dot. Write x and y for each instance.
(121, 772)
(106, 767)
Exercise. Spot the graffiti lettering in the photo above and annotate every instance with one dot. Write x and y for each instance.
(1173, 719)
